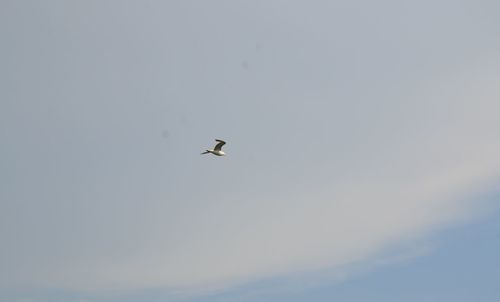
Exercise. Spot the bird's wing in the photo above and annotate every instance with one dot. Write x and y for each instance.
(219, 145)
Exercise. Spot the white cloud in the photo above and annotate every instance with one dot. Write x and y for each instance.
(421, 181)
(348, 172)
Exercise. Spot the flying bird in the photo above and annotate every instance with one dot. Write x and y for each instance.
(217, 149)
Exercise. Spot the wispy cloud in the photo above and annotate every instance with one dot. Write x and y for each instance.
(324, 173)
(420, 181)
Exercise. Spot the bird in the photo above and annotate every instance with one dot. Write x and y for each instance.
(217, 149)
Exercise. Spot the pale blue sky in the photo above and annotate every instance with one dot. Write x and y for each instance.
(361, 136)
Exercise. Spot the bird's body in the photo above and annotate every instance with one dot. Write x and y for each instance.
(215, 152)
(217, 149)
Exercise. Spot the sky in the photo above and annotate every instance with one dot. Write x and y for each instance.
(363, 154)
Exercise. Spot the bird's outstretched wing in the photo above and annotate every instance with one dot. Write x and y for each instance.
(219, 145)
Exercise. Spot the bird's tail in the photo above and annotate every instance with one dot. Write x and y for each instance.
(206, 152)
